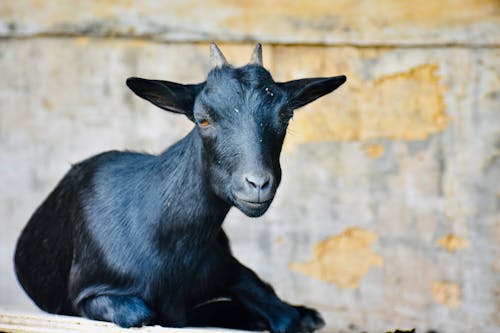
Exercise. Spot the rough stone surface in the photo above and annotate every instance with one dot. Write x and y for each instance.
(406, 150)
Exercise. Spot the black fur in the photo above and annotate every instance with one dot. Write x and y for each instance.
(136, 239)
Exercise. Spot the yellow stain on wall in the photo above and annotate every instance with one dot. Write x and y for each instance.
(388, 15)
(373, 150)
(452, 243)
(446, 293)
(405, 106)
(342, 259)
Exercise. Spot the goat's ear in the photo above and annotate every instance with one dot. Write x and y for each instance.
(304, 91)
(170, 96)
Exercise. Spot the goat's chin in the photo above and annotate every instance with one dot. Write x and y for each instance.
(252, 209)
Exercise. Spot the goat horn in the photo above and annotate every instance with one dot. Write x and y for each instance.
(216, 56)
(257, 55)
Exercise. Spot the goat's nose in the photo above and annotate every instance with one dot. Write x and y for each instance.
(258, 181)
(259, 186)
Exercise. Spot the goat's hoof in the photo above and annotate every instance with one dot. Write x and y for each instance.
(310, 321)
(289, 323)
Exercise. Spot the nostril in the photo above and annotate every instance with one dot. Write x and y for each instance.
(265, 183)
(251, 182)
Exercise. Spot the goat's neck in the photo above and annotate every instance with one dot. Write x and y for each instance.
(188, 200)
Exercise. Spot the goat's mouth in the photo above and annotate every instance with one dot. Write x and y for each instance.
(256, 204)
(251, 208)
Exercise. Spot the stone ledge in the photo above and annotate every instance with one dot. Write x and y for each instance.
(11, 322)
(326, 22)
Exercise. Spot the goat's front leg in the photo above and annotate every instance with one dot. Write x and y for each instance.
(259, 297)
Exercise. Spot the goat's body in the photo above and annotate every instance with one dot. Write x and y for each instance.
(136, 239)
(85, 242)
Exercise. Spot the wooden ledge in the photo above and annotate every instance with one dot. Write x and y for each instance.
(11, 322)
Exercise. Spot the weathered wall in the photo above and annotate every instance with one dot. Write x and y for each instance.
(388, 210)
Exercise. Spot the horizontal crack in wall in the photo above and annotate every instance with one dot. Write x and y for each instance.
(157, 38)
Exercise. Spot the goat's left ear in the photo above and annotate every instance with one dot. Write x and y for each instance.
(170, 96)
(304, 91)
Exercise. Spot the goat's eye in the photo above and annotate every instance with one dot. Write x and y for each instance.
(203, 123)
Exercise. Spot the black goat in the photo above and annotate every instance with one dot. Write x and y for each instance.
(136, 239)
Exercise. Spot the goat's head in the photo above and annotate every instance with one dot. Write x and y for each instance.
(241, 115)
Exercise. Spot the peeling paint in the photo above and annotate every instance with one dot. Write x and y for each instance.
(406, 105)
(446, 293)
(373, 150)
(452, 243)
(342, 259)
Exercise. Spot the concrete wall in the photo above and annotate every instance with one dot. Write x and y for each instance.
(387, 215)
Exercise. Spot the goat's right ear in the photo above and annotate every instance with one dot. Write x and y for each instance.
(304, 91)
(170, 96)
